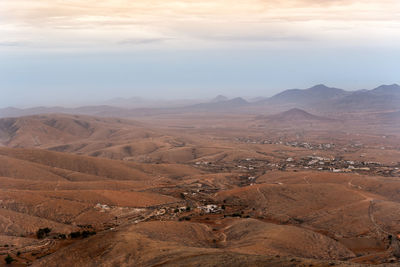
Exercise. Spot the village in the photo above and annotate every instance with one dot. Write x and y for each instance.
(255, 167)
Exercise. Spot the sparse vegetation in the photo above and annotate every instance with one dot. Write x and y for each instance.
(62, 236)
(76, 234)
(83, 234)
(9, 259)
(86, 234)
(43, 232)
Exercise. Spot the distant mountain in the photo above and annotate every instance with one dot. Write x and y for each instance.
(315, 94)
(328, 99)
(219, 98)
(384, 97)
(233, 103)
(319, 98)
(295, 115)
(393, 89)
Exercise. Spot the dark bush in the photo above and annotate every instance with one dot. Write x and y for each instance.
(43, 232)
(86, 234)
(83, 234)
(75, 234)
(62, 236)
(9, 259)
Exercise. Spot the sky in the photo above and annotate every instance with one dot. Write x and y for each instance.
(55, 52)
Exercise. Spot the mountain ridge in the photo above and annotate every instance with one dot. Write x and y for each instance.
(318, 98)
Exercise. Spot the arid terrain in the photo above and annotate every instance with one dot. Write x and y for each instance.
(220, 183)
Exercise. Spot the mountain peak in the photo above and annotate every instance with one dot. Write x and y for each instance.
(238, 100)
(324, 88)
(387, 89)
(296, 114)
(219, 98)
(319, 86)
(389, 86)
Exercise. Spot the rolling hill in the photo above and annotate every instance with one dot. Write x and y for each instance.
(295, 115)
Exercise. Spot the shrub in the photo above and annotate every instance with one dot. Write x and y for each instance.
(83, 234)
(43, 232)
(9, 259)
(62, 236)
(86, 234)
(75, 234)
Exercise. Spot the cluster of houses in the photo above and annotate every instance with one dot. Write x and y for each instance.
(310, 146)
(353, 146)
(253, 167)
(341, 165)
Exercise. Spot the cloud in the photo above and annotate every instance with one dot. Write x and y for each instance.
(258, 38)
(170, 22)
(11, 44)
(140, 41)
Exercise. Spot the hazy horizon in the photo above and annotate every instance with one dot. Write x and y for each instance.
(159, 99)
